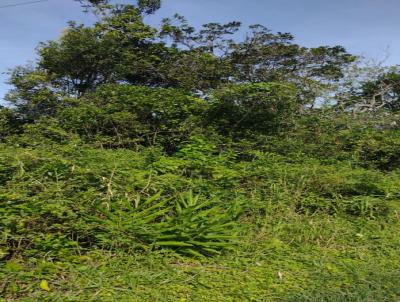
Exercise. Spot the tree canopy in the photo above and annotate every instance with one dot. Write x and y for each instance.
(121, 49)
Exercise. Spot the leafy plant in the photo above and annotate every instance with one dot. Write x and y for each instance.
(188, 225)
(200, 228)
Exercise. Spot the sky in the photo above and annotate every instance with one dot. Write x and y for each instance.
(365, 27)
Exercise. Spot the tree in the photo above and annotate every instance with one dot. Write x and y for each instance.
(263, 56)
(266, 57)
(33, 94)
(383, 93)
(214, 38)
(369, 87)
(147, 7)
(126, 115)
(119, 48)
(259, 108)
(122, 49)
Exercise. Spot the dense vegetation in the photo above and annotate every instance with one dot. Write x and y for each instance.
(176, 164)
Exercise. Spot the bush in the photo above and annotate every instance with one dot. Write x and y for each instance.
(46, 188)
(9, 123)
(129, 116)
(380, 150)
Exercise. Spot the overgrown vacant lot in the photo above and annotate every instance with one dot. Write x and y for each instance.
(300, 230)
(170, 163)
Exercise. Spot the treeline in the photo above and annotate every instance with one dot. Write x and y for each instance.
(124, 83)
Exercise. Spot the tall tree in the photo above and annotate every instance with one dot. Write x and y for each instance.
(145, 6)
(122, 48)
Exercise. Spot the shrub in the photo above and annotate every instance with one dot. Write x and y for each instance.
(186, 225)
(9, 123)
(126, 116)
(380, 150)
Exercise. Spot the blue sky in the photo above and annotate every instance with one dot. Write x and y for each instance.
(365, 27)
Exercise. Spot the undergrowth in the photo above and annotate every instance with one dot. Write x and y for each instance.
(100, 225)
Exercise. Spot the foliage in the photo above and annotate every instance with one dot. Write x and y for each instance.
(292, 205)
(380, 150)
(261, 108)
(133, 156)
(46, 187)
(145, 6)
(123, 115)
(9, 123)
(122, 48)
(189, 226)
